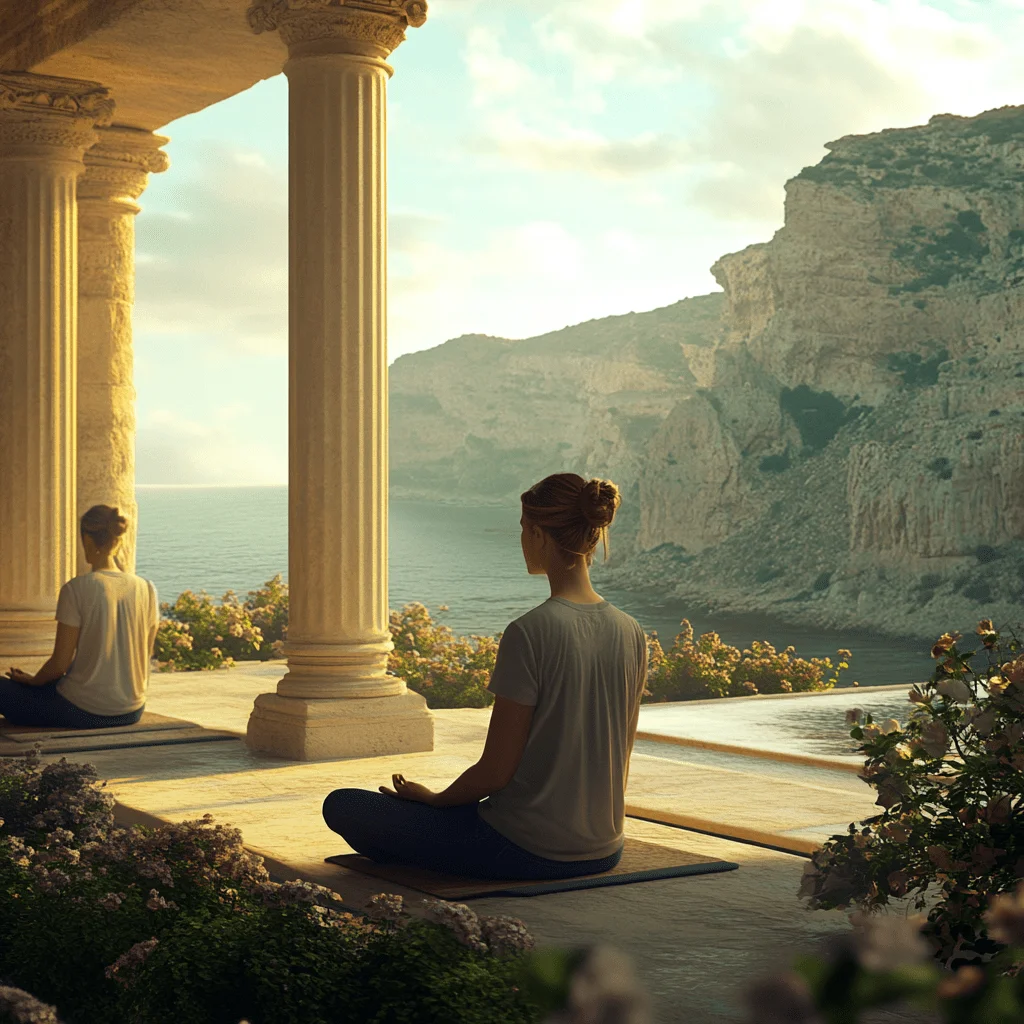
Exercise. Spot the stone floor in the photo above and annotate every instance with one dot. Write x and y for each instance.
(695, 941)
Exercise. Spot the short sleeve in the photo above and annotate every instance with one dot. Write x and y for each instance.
(642, 656)
(515, 668)
(68, 611)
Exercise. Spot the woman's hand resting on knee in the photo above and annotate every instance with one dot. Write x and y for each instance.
(409, 790)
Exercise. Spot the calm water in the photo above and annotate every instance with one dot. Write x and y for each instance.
(236, 538)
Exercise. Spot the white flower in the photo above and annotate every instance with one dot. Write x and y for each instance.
(854, 716)
(890, 725)
(604, 990)
(885, 942)
(955, 690)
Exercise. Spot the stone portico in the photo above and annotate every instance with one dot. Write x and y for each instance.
(84, 88)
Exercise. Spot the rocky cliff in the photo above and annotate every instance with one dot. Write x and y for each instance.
(481, 418)
(845, 447)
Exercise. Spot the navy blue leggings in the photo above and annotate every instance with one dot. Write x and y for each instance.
(451, 840)
(22, 704)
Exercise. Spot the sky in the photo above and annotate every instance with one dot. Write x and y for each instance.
(549, 162)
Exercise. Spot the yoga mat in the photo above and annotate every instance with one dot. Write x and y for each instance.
(150, 731)
(641, 862)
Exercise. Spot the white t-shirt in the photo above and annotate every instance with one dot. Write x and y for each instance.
(116, 613)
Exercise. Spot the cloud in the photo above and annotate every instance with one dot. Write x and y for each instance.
(213, 252)
(173, 449)
(758, 85)
(215, 264)
(587, 152)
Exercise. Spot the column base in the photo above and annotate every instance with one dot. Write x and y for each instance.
(307, 729)
(26, 639)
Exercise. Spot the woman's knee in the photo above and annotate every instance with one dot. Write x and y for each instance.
(346, 805)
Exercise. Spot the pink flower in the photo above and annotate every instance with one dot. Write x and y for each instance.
(934, 739)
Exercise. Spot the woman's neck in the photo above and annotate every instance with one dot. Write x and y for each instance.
(573, 586)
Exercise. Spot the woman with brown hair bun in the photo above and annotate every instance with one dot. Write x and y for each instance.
(106, 627)
(546, 800)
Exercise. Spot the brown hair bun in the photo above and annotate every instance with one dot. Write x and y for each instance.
(104, 524)
(575, 512)
(599, 500)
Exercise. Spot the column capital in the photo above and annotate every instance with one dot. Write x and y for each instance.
(40, 114)
(118, 165)
(372, 28)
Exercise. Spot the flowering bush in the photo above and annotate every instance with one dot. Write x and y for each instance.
(951, 784)
(268, 610)
(181, 923)
(451, 671)
(195, 633)
(710, 668)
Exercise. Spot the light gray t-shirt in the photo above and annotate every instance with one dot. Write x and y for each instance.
(584, 668)
(116, 613)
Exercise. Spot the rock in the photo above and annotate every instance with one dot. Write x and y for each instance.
(836, 439)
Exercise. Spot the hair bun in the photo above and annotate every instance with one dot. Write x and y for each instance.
(118, 523)
(599, 500)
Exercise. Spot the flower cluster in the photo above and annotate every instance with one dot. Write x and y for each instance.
(501, 935)
(708, 667)
(195, 633)
(127, 963)
(449, 670)
(19, 1007)
(950, 782)
(37, 799)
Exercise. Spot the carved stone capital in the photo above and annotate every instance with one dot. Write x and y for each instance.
(117, 167)
(368, 27)
(39, 114)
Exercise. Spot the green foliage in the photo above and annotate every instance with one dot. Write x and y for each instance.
(775, 463)
(941, 468)
(450, 671)
(915, 369)
(953, 252)
(766, 573)
(950, 781)
(823, 581)
(818, 415)
(984, 553)
(181, 925)
(707, 667)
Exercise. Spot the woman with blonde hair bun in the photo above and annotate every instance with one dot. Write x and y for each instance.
(546, 800)
(107, 622)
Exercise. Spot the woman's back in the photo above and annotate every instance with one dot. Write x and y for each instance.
(116, 613)
(583, 666)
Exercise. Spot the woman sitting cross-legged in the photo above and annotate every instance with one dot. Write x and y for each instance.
(107, 622)
(546, 799)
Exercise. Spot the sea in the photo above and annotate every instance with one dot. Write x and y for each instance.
(465, 557)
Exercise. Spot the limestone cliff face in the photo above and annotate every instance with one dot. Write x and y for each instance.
(837, 438)
(483, 418)
(855, 456)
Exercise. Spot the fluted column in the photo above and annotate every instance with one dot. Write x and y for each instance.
(117, 169)
(46, 124)
(336, 699)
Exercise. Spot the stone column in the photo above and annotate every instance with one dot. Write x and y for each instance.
(336, 699)
(46, 125)
(116, 171)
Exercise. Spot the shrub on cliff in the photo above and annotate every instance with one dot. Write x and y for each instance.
(951, 784)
